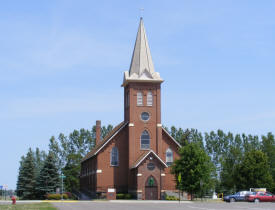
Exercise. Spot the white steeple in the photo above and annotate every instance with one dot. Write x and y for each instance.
(142, 67)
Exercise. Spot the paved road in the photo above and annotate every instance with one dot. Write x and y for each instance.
(163, 206)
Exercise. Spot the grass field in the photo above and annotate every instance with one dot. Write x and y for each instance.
(35, 206)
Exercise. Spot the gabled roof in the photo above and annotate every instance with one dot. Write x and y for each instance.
(105, 141)
(142, 67)
(144, 155)
(171, 137)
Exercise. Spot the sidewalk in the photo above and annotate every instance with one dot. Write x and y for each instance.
(147, 201)
(91, 201)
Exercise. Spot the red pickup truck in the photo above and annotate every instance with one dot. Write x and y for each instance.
(260, 197)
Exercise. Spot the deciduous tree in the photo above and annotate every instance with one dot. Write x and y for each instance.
(253, 171)
(195, 168)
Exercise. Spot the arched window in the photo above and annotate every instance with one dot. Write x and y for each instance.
(114, 156)
(149, 99)
(139, 99)
(151, 182)
(145, 140)
(169, 157)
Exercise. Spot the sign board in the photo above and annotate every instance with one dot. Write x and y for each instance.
(1, 187)
(5, 187)
(111, 190)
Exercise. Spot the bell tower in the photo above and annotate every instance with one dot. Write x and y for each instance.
(142, 100)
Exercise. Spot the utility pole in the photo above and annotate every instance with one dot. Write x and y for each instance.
(201, 184)
(179, 181)
(62, 178)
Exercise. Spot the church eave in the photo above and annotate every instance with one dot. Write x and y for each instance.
(177, 143)
(145, 156)
(98, 148)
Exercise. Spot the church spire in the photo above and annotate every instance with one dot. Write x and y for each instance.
(141, 59)
(142, 67)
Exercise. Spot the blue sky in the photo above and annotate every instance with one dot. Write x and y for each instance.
(62, 63)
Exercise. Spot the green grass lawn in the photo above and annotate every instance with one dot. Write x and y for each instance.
(35, 206)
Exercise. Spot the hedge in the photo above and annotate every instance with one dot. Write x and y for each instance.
(56, 196)
(123, 196)
(171, 198)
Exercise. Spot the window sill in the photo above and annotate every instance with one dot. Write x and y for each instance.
(144, 105)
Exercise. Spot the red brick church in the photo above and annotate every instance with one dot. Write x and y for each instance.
(137, 154)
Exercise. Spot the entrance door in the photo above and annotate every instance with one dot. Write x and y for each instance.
(151, 193)
(151, 189)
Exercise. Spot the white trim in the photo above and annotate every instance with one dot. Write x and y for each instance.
(171, 137)
(131, 124)
(162, 174)
(139, 191)
(98, 171)
(151, 151)
(139, 174)
(159, 125)
(109, 139)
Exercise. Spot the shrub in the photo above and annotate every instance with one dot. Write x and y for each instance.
(127, 196)
(123, 196)
(56, 196)
(171, 198)
(69, 194)
(120, 196)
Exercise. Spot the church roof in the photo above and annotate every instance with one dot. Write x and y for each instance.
(176, 142)
(144, 155)
(103, 142)
(142, 67)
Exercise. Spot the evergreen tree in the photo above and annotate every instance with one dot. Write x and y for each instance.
(48, 179)
(27, 177)
(19, 184)
(195, 168)
(39, 158)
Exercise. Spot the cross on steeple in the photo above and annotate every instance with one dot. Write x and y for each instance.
(141, 10)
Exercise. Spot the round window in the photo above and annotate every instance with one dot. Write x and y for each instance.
(151, 166)
(145, 116)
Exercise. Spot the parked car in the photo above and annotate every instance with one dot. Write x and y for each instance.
(239, 196)
(260, 197)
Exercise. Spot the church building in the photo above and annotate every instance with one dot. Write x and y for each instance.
(135, 157)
